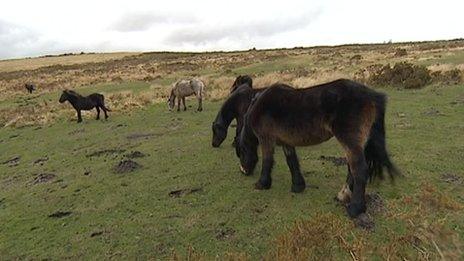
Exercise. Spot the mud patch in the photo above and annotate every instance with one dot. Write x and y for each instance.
(225, 233)
(60, 214)
(136, 136)
(135, 154)
(364, 221)
(96, 233)
(433, 112)
(12, 162)
(126, 166)
(43, 178)
(375, 203)
(182, 192)
(76, 131)
(107, 152)
(337, 161)
(452, 179)
(40, 161)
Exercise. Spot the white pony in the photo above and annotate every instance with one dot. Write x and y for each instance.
(184, 88)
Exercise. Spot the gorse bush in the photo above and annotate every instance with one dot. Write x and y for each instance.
(402, 74)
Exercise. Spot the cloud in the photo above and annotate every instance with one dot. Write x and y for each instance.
(207, 34)
(141, 21)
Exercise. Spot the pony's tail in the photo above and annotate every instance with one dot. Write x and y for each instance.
(103, 103)
(376, 154)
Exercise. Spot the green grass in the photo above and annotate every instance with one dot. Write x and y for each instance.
(137, 217)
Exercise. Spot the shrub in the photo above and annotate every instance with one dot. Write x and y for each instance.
(453, 76)
(401, 52)
(402, 74)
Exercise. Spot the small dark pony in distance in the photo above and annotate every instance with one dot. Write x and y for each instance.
(79, 103)
(353, 113)
(234, 107)
(30, 87)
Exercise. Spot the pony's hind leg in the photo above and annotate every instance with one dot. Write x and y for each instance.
(298, 182)
(98, 112)
(265, 181)
(200, 104)
(183, 102)
(79, 116)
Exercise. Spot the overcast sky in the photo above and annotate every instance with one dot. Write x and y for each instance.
(38, 27)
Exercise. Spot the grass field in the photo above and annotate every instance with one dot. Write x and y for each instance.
(62, 196)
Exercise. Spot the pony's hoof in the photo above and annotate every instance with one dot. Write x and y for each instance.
(260, 186)
(355, 209)
(298, 188)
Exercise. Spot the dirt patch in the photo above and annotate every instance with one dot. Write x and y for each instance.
(40, 161)
(225, 233)
(452, 179)
(60, 214)
(135, 154)
(43, 178)
(12, 162)
(337, 161)
(364, 221)
(375, 204)
(76, 131)
(126, 166)
(432, 112)
(107, 152)
(136, 136)
(183, 192)
(96, 233)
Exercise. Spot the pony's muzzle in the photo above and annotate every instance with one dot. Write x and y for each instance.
(243, 170)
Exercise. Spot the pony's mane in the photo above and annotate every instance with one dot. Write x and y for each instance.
(73, 93)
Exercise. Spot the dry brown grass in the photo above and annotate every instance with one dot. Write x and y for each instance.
(34, 63)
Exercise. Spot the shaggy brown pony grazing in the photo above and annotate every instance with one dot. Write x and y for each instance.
(79, 102)
(290, 117)
(234, 107)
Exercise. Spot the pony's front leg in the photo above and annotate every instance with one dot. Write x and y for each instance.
(183, 103)
(358, 167)
(200, 104)
(178, 103)
(344, 195)
(265, 181)
(98, 112)
(298, 182)
(79, 116)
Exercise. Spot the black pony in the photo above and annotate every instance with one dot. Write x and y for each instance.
(353, 113)
(79, 102)
(30, 87)
(241, 80)
(233, 108)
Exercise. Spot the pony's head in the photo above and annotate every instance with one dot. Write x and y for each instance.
(240, 80)
(64, 96)
(219, 134)
(171, 100)
(247, 150)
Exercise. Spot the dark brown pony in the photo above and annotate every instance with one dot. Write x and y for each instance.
(234, 107)
(30, 87)
(241, 80)
(79, 102)
(290, 117)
